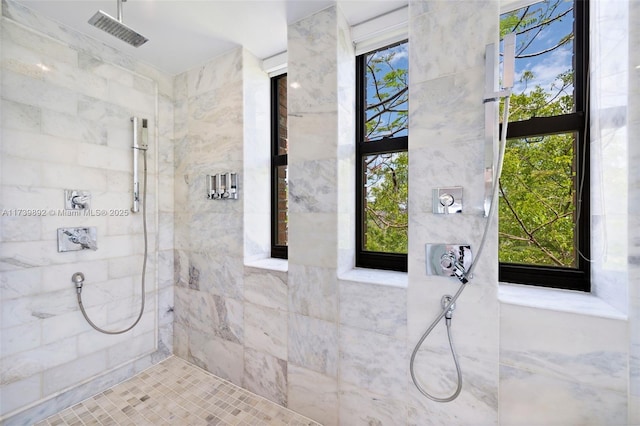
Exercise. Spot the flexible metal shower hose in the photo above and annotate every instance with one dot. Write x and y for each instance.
(453, 352)
(467, 274)
(144, 263)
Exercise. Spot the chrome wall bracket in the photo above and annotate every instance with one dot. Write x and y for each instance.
(75, 199)
(140, 143)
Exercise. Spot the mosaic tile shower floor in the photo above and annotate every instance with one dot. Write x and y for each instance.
(175, 392)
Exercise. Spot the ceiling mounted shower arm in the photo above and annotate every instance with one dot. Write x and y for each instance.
(119, 10)
(119, 15)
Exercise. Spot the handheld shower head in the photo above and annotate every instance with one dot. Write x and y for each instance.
(117, 28)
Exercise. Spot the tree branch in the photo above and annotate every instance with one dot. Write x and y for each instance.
(393, 97)
(542, 52)
(531, 238)
(379, 220)
(543, 23)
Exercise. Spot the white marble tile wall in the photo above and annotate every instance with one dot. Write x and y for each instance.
(313, 393)
(65, 125)
(609, 150)
(581, 359)
(312, 130)
(633, 119)
(319, 52)
(209, 309)
(288, 347)
(573, 356)
(373, 354)
(446, 127)
(266, 334)
(230, 319)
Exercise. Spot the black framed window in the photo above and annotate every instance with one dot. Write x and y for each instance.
(382, 99)
(544, 217)
(279, 147)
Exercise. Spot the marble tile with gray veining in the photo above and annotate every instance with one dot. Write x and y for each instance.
(359, 406)
(218, 356)
(478, 399)
(265, 330)
(213, 314)
(313, 291)
(265, 375)
(312, 186)
(597, 353)
(215, 73)
(310, 239)
(561, 403)
(313, 394)
(221, 275)
(313, 344)
(374, 307)
(310, 65)
(373, 361)
(266, 288)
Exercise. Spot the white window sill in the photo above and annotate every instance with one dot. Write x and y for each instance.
(557, 300)
(376, 276)
(270, 263)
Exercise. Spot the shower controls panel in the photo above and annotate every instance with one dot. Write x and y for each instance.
(449, 260)
(447, 200)
(74, 239)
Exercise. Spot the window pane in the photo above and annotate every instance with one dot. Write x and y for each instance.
(385, 203)
(282, 215)
(544, 74)
(282, 115)
(538, 201)
(387, 93)
(279, 147)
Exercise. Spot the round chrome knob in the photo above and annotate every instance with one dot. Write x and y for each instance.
(446, 200)
(447, 261)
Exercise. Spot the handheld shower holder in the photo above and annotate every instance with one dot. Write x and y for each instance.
(140, 143)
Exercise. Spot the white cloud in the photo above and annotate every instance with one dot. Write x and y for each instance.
(545, 69)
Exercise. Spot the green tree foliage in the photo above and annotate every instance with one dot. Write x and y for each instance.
(537, 201)
(386, 183)
(537, 188)
(386, 205)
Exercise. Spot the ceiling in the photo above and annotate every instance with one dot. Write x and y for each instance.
(186, 33)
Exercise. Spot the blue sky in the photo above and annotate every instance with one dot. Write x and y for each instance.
(545, 67)
(400, 60)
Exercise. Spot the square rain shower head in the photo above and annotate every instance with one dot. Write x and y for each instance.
(117, 29)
